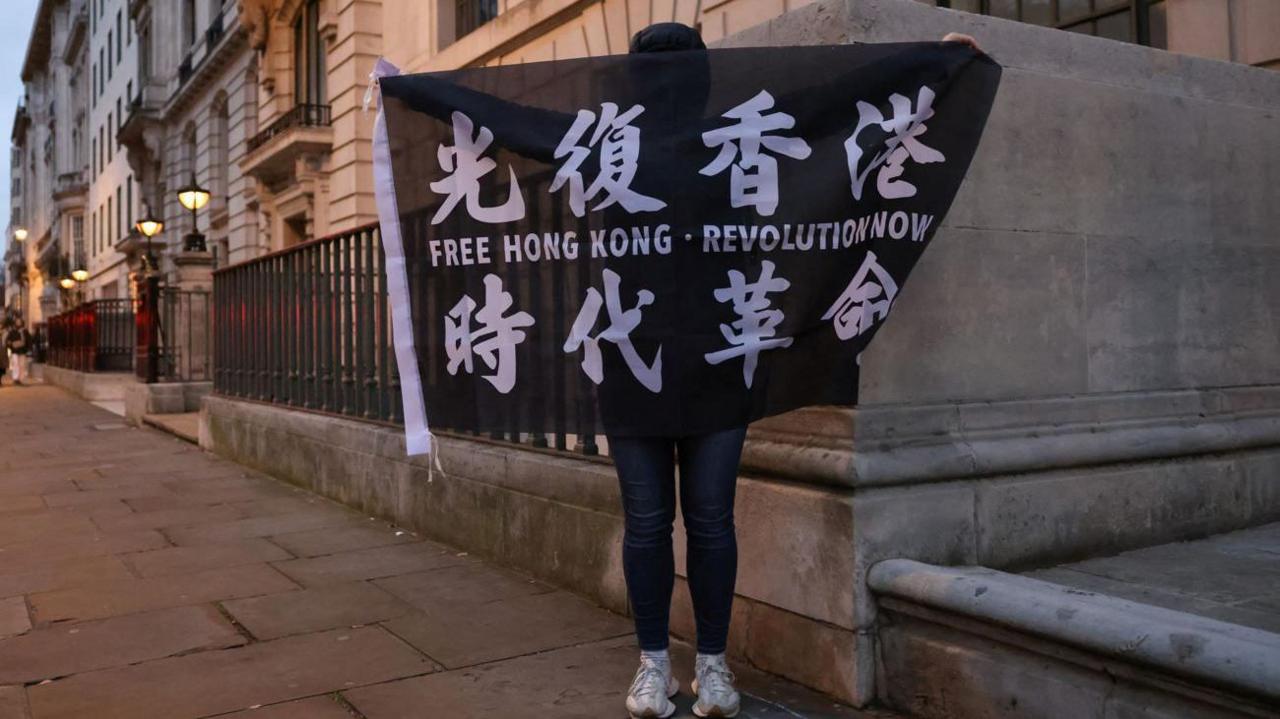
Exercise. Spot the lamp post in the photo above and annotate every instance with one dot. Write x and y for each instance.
(20, 234)
(148, 226)
(193, 197)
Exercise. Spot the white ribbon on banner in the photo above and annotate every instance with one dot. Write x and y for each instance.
(417, 437)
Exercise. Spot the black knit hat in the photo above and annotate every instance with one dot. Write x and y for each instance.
(667, 37)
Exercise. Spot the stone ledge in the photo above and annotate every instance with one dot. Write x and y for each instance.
(910, 444)
(1198, 648)
(91, 386)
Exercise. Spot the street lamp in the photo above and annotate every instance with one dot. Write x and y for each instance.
(20, 234)
(80, 275)
(148, 226)
(193, 197)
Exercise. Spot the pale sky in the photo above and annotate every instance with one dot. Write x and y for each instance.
(15, 29)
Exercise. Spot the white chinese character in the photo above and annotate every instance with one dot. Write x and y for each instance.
(904, 128)
(754, 331)
(494, 340)
(754, 178)
(465, 166)
(619, 155)
(863, 301)
(621, 323)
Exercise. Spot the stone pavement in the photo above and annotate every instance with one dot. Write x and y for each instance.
(141, 578)
(1233, 577)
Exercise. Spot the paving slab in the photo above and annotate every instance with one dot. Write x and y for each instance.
(177, 517)
(72, 649)
(43, 525)
(509, 627)
(185, 560)
(370, 563)
(14, 618)
(460, 587)
(30, 556)
(209, 683)
(325, 707)
(331, 540)
(64, 573)
(109, 599)
(13, 703)
(21, 504)
(316, 609)
(215, 532)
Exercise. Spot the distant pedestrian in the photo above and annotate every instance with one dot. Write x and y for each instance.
(17, 340)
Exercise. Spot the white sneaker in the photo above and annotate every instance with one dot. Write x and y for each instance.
(713, 683)
(651, 691)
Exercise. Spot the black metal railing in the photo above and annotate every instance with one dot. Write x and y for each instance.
(309, 327)
(185, 68)
(96, 336)
(303, 115)
(174, 330)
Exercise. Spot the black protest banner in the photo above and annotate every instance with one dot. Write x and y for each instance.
(662, 244)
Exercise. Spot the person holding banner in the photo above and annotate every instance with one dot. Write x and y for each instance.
(708, 474)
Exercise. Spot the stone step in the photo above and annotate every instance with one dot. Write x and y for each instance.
(976, 642)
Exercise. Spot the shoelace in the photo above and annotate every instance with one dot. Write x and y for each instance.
(650, 681)
(717, 678)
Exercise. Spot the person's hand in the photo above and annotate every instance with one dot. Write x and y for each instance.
(962, 38)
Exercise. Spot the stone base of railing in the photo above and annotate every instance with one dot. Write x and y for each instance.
(91, 386)
(141, 399)
(1040, 482)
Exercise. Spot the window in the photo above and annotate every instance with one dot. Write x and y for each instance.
(110, 49)
(101, 62)
(1140, 21)
(119, 32)
(110, 240)
(144, 55)
(471, 14)
(77, 235)
(94, 159)
(128, 184)
(189, 23)
(119, 214)
(219, 152)
(110, 145)
(308, 57)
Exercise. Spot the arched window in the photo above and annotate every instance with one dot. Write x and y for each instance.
(219, 148)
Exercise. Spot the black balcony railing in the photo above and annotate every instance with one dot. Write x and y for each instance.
(96, 336)
(214, 33)
(185, 68)
(309, 327)
(304, 115)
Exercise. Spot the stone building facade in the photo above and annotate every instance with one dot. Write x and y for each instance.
(49, 161)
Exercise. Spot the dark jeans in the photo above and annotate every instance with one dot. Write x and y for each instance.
(708, 475)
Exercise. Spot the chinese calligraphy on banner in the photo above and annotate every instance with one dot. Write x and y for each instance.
(663, 244)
